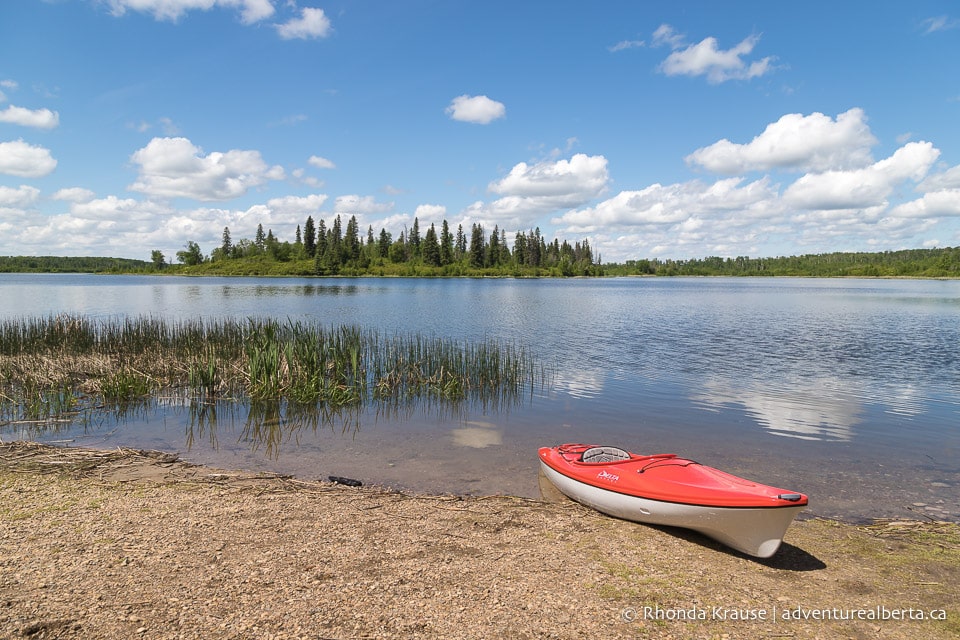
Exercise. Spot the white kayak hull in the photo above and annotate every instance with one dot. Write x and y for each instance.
(756, 531)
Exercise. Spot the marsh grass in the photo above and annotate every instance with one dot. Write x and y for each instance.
(50, 365)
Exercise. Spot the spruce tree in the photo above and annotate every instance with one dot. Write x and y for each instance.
(477, 249)
(351, 241)
(226, 246)
(460, 248)
(413, 238)
(309, 237)
(431, 248)
(383, 244)
(446, 245)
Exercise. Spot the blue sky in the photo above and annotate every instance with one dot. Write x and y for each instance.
(655, 129)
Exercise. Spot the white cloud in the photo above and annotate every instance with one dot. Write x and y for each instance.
(623, 45)
(949, 179)
(321, 163)
(813, 143)
(937, 204)
(251, 11)
(476, 109)
(39, 118)
(939, 23)
(706, 59)
(18, 158)
(21, 197)
(569, 181)
(545, 187)
(110, 208)
(665, 35)
(675, 204)
(430, 212)
(175, 168)
(312, 23)
(74, 194)
(861, 188)
(360, 205)
(305, 205)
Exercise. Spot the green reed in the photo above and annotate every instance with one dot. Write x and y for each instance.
(306, 363)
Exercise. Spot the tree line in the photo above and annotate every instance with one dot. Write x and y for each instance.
(342, 249)
(918, 263)
(457, 254)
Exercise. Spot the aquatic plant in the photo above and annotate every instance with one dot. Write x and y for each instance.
(250, 359)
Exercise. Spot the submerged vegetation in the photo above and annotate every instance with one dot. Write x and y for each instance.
(52, 366)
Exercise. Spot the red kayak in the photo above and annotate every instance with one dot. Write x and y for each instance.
(669, 490)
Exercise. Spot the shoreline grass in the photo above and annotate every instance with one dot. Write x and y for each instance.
(53, 365)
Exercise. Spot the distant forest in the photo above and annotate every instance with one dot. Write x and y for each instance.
(337, 249)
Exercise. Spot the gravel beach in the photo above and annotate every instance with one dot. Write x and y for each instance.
(133, 544)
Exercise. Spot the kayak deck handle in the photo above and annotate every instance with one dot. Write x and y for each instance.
(791, 497)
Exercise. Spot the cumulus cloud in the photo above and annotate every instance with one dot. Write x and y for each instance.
(706, 59)
(175, 168)
(568, 181)
(18, 158)
(360, 205)
(39, 118)
(677, 203)
(431, 212)
(944, 203)
(74, 194)
(949, 179)
(476, 109)
(299, 205)
(813, 143)
(530, 190)
(861, 188)
(21, 197)
(312, 23)
(251, 11)
(321, 163)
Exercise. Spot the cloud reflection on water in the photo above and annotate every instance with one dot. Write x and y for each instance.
(806, 409)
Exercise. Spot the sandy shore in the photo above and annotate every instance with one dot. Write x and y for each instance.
(125, 544)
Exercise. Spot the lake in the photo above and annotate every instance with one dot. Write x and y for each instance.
(848, 390)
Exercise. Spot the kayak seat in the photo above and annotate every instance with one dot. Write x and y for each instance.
(599, 455)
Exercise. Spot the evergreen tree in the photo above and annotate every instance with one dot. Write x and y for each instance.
(520, 249)
(493, 249)
(299, 238)
(477, 248)
(351, 240)
(460, 248)
(413, 239)
(383, 244)
(226, 246)
(333, 256)
(309, 237)
(505, 256)
(446, 244)
(431, 248)
(260, 239)
(321, 242)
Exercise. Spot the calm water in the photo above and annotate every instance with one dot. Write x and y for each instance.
(848, 390)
